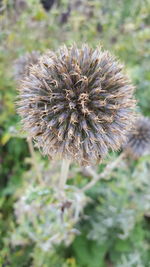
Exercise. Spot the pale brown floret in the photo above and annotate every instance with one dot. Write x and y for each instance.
(77, 103)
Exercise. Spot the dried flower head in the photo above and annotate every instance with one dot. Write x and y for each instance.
(77, 103)
(138, 143)
(23, 63)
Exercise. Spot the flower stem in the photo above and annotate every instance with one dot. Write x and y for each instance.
(64, 173)
(106, 172)
(34, 162)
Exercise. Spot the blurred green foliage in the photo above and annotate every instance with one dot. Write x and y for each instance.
(115, 228)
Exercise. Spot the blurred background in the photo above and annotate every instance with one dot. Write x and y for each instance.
(110, 225)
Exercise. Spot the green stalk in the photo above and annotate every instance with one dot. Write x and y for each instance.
(64, 173)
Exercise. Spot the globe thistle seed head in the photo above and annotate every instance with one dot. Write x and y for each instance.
(77, 103)
(138, 142)
(23, 63)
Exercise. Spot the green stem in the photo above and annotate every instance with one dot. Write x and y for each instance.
(64, 173)
(34, 162)
(108, 169)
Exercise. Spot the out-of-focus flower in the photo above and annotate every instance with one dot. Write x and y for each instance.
(47, 4)
(77, 103)
(138, 143)
(23, 63)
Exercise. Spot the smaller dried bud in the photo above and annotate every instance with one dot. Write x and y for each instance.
(23, 63)
(138, 142)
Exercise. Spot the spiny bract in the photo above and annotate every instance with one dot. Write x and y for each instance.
(77, 103)
(138, 143)
(23, 63)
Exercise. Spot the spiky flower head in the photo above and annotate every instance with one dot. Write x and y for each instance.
(23, 63)
(77, 103)
(138, 142)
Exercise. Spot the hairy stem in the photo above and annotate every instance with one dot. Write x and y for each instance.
(64, 173)
(106, 172)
